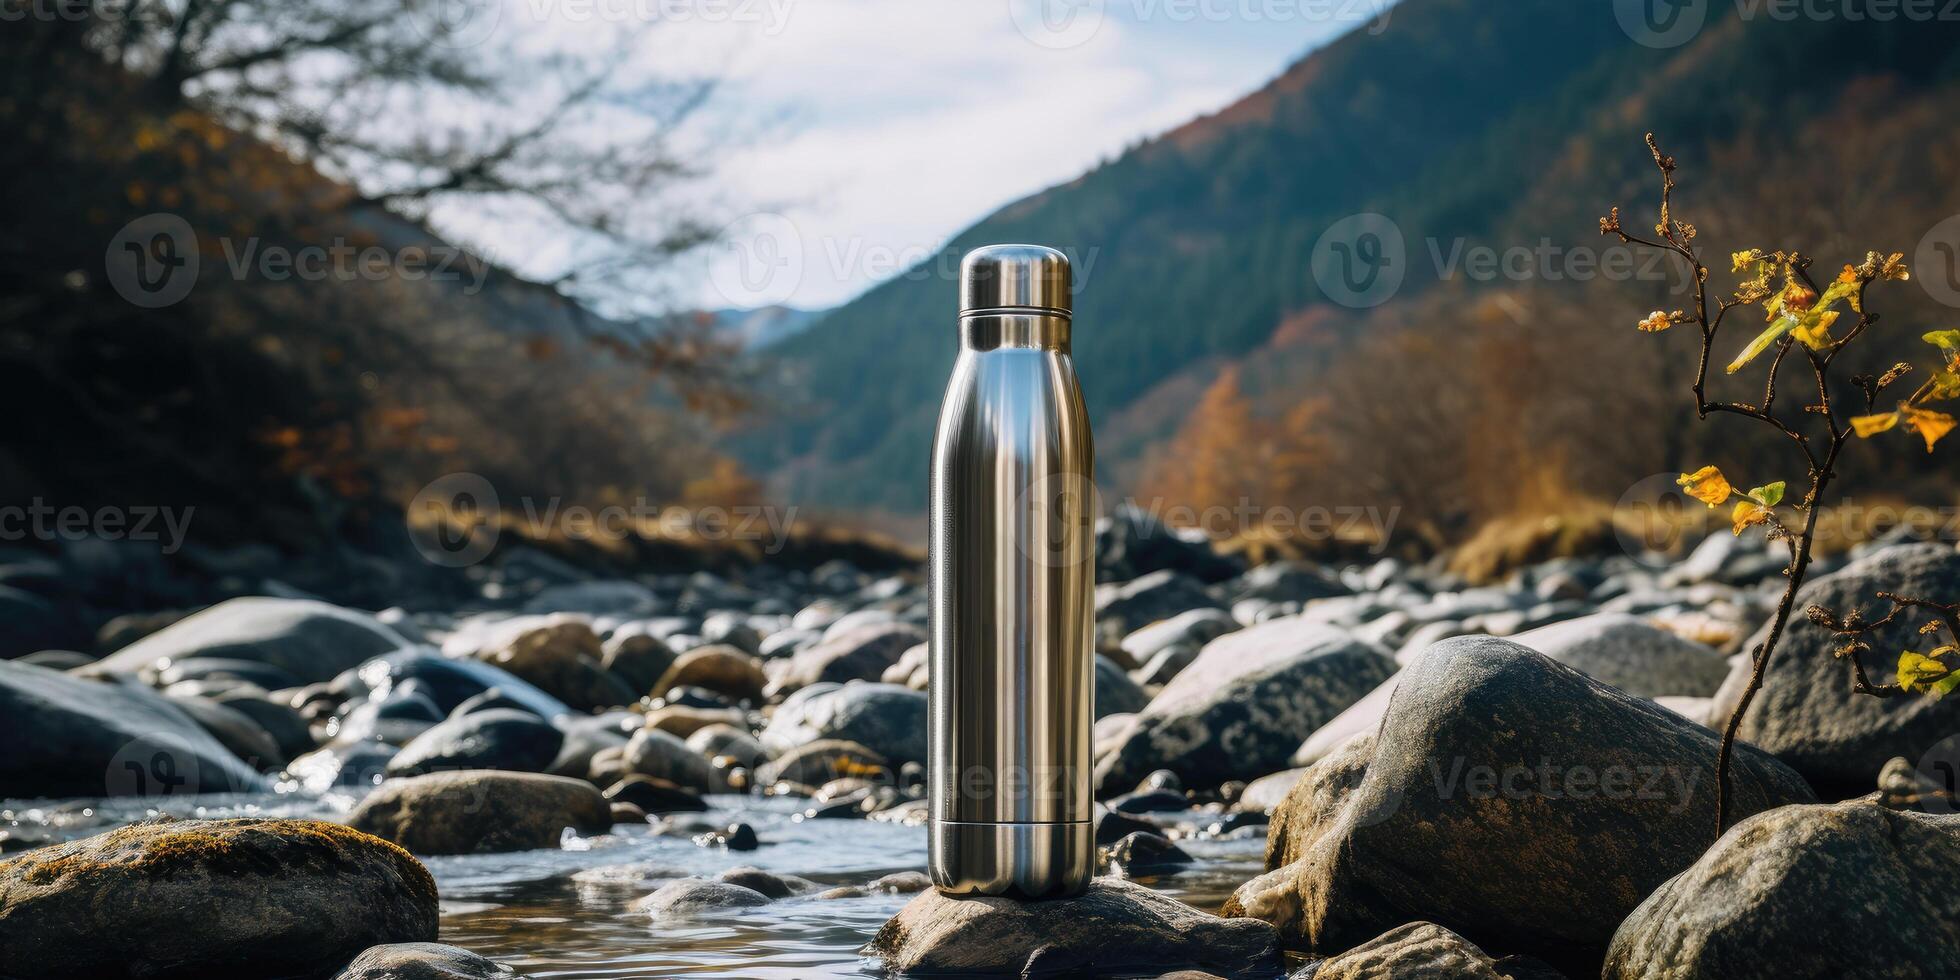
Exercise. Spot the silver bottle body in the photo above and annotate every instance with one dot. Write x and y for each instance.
(1012, 574)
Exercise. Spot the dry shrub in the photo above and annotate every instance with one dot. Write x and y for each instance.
(1506, 544)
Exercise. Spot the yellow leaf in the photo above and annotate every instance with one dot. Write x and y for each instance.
(1916, 670)
(1815, 332)
(1931, 426)
(1748, 513)
(1763, 342)
(1895, 268)
(1707, 485)
(1744, 260)
(1868, 426)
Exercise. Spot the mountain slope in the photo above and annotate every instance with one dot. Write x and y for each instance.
(1196, 246)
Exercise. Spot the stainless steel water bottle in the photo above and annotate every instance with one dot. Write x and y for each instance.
(1012, 589)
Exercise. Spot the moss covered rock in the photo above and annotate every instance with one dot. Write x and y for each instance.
(209, 899)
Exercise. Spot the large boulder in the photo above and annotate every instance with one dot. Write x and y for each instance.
(1241, 709)
(1806, 713)
(857, 654)
(1116, 927)
(1851, 890)
(1524, 804)
(422, 961)
(67, 736)
(209, 899)
(497, 738)
(481, 812)
(1631, 654)
(887, 718)
(308, 639)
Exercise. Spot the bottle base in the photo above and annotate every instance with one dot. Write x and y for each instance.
(1023, 860)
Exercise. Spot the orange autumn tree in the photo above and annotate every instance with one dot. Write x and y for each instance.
(1226, 454)
(1805, 326)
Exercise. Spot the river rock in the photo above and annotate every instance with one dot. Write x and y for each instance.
(655, 796)
(720, 668)
(67, 736)
(480, 812)
(1116, 693)
(422, 961)
(1116, 926)
(237, 732)
(1242, 708)
(1632, 655)
(209, 899)
(1802, 891)
(1522, 802)
(886, 718)
(1806, 713)
(264, 675)
(859, 654)
(1131, 542)
(446, 681)
(636, 656)
(1193, 628)
(615, 597)
(1146, 852)
(286, 726)
(1124, 607)
(1287, 581)
(309, 640)
(341, 765)
(663, 755)
(689, 897)
(499, 738)
(1417, 951)
(820, 762)
(560, 655)
(728, 740)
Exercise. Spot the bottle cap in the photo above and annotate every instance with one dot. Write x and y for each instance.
(1014, 277)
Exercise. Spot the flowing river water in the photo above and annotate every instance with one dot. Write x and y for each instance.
(568, 913)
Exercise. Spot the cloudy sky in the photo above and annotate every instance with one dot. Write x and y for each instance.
(872, 130)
